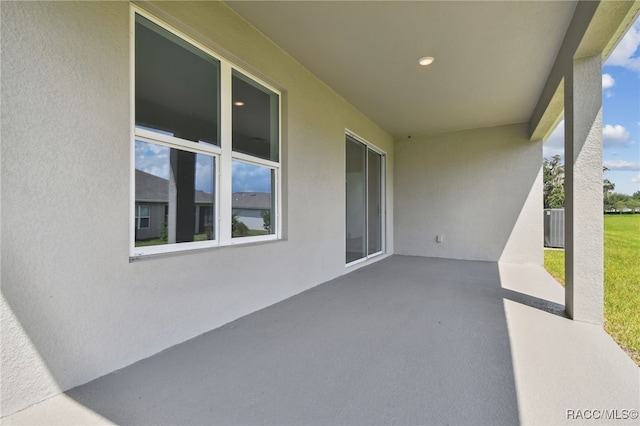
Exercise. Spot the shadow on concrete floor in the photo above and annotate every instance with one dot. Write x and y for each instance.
(404, 341)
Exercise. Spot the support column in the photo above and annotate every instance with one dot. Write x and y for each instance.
(181, 219)
(584, 260)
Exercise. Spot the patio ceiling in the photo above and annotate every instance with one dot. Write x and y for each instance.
(492, 59)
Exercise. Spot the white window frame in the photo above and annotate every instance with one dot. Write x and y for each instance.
(383, 196)
(223, 155)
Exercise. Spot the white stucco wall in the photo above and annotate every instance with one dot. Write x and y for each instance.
(480, 189)
(584, 222)
(73, 306)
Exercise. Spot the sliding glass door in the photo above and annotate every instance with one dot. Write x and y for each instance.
(364, 200)
(374, 202)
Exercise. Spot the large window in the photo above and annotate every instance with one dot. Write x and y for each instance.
(206, 146)
(364, 200)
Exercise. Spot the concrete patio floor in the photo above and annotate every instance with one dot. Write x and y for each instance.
(406, 340)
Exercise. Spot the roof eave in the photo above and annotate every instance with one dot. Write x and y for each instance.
(596, 29)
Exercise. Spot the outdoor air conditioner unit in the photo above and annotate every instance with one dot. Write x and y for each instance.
(554, 228)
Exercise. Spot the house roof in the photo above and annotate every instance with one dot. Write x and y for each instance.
(151, 188)
(495, 61)
(251, 200)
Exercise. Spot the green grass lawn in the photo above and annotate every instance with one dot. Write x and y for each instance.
(621, 279)
(160, 241)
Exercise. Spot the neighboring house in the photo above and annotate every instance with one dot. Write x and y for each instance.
(152, 202)
(152, 207)
(307, 93)
(251, 207)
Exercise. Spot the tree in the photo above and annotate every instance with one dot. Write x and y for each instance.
(266, 220)
(607, 189)
(620, 206)
(553, 175)
(607, 193)
(633, 204)
(164, 230)
(238, 228)
(619, 202)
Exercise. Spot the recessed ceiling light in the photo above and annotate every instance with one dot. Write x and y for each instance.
(427, 60)
(238, 103)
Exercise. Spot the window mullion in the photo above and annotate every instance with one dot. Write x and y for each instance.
(224, 199)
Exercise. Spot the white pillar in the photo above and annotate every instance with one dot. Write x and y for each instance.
(584, 260)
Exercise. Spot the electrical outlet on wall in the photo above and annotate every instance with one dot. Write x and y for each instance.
(439, 238)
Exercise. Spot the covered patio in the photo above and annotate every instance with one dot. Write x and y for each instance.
(407, 340)
(444, 315)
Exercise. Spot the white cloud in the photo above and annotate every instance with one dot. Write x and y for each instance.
(152, 159)
(614, 136)
(616, 132)
(636, 178)
(204, 173)
(624, 54)
(250, 178)
(554, 145)
(622, 165)
(607, 81)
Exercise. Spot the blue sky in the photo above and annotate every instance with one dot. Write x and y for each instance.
(620, 116)
(250, 178)
(154, 159)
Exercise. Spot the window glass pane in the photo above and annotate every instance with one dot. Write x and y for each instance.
(144, 211)
(255, 119)
(177, 85)
(356, 200)
(252, 200)
(178, 188)
(374, 202)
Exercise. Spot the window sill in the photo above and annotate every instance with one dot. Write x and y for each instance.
(200, 248)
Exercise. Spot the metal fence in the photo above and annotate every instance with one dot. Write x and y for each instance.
(554, 228)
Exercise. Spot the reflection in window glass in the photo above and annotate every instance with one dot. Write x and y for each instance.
(142, 216)
(178, 188)
(252, 200)
(374, 202)
(177, 85)
(356, 200)
(364, 201)
(255, 119)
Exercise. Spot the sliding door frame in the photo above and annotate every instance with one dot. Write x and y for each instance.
(383, 196)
